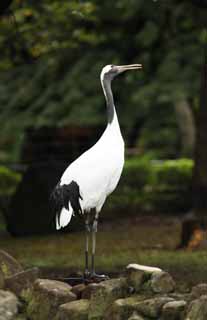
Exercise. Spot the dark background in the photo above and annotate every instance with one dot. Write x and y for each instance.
(52, 109)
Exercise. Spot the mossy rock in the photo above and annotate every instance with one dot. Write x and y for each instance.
(9, 266)
(22, 282)
(1, 280)
(136, 316)
(138, 276)
(8, 305)
(147, 307)
(162, 282)
(75, 310)
(46, 297)
(122, 309)
(104, 295)
(197, 309)
(173, 310)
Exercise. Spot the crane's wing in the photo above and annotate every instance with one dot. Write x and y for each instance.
(64, 201)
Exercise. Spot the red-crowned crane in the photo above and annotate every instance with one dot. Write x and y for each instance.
(86, 183)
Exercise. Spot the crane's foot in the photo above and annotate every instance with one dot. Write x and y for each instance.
(98, 277)
(87, 276)
(72, 280)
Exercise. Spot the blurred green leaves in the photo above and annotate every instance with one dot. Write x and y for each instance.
(50, 67)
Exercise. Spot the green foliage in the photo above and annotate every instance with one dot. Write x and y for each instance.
(50, 68)
(172, 173)
(159, 135)
(149, 185)
(8, 181)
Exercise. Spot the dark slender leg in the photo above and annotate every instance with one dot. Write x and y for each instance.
(87, 232)
(94, 230)
(94, 275)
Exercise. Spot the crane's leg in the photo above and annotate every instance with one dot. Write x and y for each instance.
(94, 275)
(87, 232)
(94, 231)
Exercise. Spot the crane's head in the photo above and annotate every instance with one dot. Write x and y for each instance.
(110, 71)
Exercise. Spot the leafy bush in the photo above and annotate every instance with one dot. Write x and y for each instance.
(149, 185)
(8, 181)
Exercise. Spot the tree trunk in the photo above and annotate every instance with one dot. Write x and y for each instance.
(194, 226)
(200, 169)
(186, 125)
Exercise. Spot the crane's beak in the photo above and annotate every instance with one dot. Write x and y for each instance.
(128, 67)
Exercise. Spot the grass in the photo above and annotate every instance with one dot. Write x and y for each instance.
(148, 240)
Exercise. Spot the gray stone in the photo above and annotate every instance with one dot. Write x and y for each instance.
(135, 316)
(162, 282)
(22, 281)
(8, 305)
(146, 269)
(1, 280)
(76, 310)
(78, 290)
(8, 265)
(105, 294)
(173, 310)
(138, 274)
(180, 296)
(122, 309)
(20, 317)
(199, 290)
(152, 307)
(197, 309)
(144, 307)
(46, 297)
(89, 290)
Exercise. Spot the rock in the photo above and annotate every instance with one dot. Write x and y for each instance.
(122, 309)
(146, 269)
(199, 290)
(1, 280)
(173, 310)
(138, 274)
(20, 317)
(76, 310)
(162, 282)
(180, 296)
(78, 289)
(89, 290)
(152, 307)
(22, 281)
(8, 305)
(197, 309)
(46, 297)
(8, 265)
(104, 295)
(135, 316)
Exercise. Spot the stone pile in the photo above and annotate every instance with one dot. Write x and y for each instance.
(142, 293)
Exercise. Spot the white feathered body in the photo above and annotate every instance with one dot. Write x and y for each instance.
(97, 172)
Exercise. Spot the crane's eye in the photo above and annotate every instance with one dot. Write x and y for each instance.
(112, 66)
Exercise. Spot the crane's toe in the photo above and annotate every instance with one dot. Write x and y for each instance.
(99, 277)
